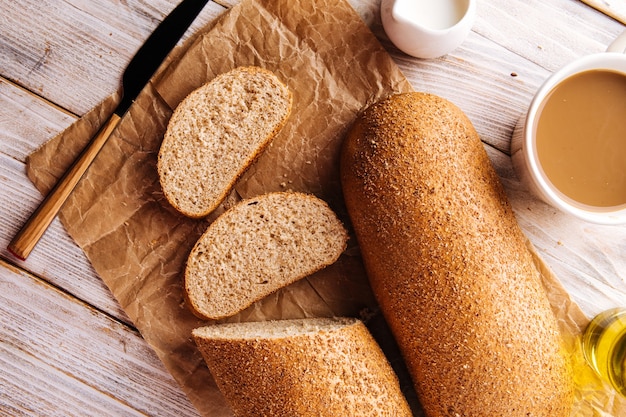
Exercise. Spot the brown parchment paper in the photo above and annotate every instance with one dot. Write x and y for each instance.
(138, 244)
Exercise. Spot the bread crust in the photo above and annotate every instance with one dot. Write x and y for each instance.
(449, 264)
(329, 372)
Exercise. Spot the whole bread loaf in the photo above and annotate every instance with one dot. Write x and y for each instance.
(305, 367)
(449, 264)
(216, 133)
(258, 246)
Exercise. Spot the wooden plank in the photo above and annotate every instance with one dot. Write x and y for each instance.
(529, 28)
(26, 122)
(57, 257)
(73, 52)
(33, 388)
(59, 356)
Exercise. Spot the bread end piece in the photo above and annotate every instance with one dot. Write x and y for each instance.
(301, 367)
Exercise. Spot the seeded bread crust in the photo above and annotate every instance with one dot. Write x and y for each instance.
(216, 133)
(449, 265)
(295, 368)
(258, 246)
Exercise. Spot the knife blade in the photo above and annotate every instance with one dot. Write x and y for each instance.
(137, 74)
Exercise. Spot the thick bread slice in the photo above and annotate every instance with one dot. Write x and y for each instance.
(307, 367)
(257, 247)
(216, 133)
(450, 265)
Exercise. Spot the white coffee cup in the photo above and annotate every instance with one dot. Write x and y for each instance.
(427, 28)
(523, 144)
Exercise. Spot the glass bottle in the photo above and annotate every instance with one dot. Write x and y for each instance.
(604, 347)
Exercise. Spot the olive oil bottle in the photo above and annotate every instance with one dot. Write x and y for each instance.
(604, 347)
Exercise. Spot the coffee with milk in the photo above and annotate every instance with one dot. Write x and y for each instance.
(581, 137)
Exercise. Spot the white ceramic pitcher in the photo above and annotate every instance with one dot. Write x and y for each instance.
(427, 28)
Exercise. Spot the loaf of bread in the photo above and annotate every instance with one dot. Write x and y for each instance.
(216, 133)
(305, 367)
(258, 246)
(449, 264)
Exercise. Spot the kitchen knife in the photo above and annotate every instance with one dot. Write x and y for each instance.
(137, 74)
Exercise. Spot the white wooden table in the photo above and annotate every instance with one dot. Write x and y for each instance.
(67, 348)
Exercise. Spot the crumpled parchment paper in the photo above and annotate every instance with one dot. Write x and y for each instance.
(138, 244)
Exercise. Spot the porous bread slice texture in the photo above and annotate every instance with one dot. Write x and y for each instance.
(301, 367)
(257, 247)
(272, 329)
(216, 133)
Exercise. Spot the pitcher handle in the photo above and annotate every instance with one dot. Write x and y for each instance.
(619, 44)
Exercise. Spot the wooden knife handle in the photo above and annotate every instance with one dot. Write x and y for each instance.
(26, 239)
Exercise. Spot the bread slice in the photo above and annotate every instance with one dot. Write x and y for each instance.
(257, 247)
(305, 367)
(216, 133)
